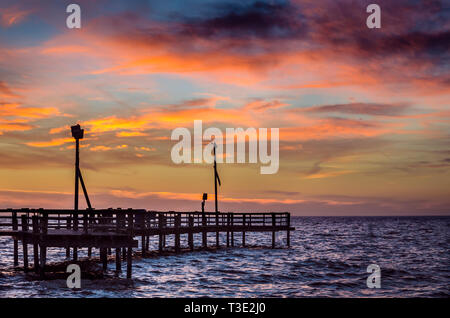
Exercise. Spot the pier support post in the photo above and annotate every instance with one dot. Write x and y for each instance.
(228, 229)
(24, 242)
(161, 235)
(217, 230)
(43, 247)
(35, 243)
(232, 229)
(130, 249)
(191, 234)
(68, 226)
(129, 262)
(288, 232)
(243, 232)
(43, 258)
(124, 253)
(177, 223)
(15, 227)
(104, 258)
(204, 233)
(118, 261)
(273, 230)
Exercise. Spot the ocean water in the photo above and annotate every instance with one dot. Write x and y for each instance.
(328, 257)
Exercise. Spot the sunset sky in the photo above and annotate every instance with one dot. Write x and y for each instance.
(364, 114)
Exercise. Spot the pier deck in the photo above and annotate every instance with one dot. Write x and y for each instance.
(117, 228)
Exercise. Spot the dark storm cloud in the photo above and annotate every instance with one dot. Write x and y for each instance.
(258, 19)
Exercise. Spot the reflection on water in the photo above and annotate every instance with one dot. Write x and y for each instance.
(328, 257)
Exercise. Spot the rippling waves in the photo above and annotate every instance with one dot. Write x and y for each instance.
(328, 257)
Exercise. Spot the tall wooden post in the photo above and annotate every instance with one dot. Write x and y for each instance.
(24, 242)
(216, 179)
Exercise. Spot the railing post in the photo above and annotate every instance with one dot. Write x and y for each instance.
(35, 223)
(24, 241)
(15, 227)
(273, 230)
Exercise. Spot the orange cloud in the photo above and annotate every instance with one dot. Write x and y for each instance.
(51, 143)
(8, 110)
(13, 15)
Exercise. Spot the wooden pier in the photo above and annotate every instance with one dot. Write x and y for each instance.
(117, 229)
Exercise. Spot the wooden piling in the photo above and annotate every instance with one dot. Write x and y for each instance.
(232, 231)
(68, 226)
(130, 249)
(35, 223)
(273, 232)
(228, 229)
(217, 230)
(204, 233)
(191, 234)
(129, 262)
(43, 247)
(24, 242)
(243, 232)
(15, 227)
(288, 232)
(177, 224)
(161, 235)
(104, 258)
(118, 261)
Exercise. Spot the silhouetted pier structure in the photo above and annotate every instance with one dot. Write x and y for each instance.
(117, 229)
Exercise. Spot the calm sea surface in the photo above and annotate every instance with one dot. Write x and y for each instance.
(329, 257)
